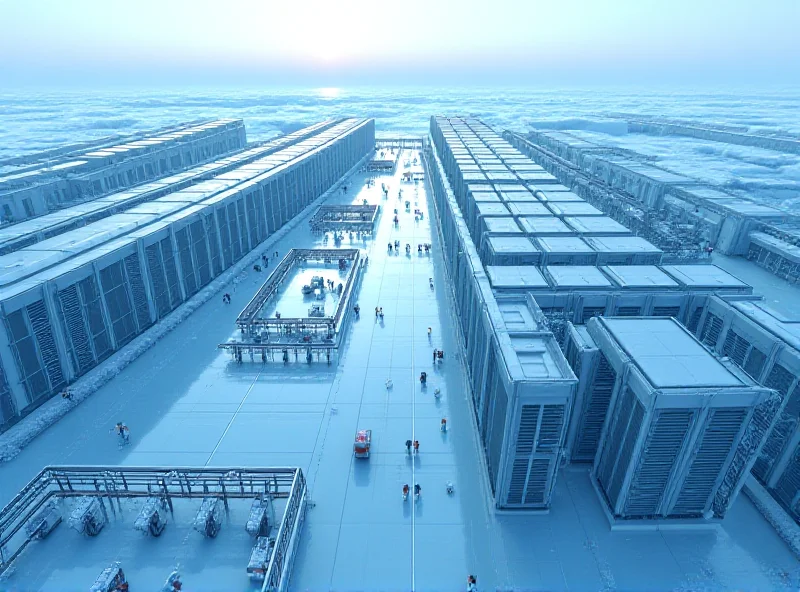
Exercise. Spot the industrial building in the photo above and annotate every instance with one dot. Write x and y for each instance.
(569, 264)
(765, 345)
(23, 234)
(41, 183)
(674, 441)
(522, 386)
(70, 301)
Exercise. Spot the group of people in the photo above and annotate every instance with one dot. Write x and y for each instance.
(226, 298)
(426, 246)
(438, 355)
(417, 491)
(414, 444)
(379, 312)
(123, 432)
(396, 246)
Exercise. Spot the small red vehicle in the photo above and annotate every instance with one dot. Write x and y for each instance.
(362, 443)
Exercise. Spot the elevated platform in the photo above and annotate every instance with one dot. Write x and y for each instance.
(35, 525)
(345, 218)
(318, 307)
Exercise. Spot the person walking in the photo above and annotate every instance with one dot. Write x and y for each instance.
(408, 447)
(416, 446)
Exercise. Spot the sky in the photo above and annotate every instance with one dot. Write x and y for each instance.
(338, 42)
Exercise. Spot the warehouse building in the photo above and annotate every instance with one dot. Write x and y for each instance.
(70, 301)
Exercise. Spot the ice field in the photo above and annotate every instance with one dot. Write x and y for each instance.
(187, 403)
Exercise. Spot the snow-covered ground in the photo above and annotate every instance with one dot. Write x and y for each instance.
(187, 404)
(767, 176)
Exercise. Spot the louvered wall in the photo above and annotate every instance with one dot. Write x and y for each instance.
(137, 291)
(711, 330)
(213, 243)
(93, 312)
(721, 431)
(666, 311)
(158, 280)
(619, 444)
(185, 258)
(787, 489)
(781, 380)
(661, 449)
(8, 409)
(171, 271)
(40, 323)
(200, 249)
(694, 320)
(593, 413)
(76, 333)
(118, 303)
(225, 237)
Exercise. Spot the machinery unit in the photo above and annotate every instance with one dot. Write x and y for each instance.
(208, 520)
(676, 439)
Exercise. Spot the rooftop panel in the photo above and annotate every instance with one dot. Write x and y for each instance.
(542, 226)
(515, 276)
(639, 276)
(512, 244)
(577, 276)
(703, 276)
(668, 355)
(596, 225)
(528, 209)
(505, 224)
(564, 244)
(574, 208)
(622, 244)
(535, 358)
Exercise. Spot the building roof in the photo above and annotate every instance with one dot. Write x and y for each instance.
(703, 276)
(515, 276)
(639, 276)
(536, 358)
(668, 355)
(574, 208)
(491, 209)
(787, 329)
(563, 244)
(502, 224)
(528, 209)
(577, 276)
(622, 244)
(596, 225)
(542, 225)
(512, 244)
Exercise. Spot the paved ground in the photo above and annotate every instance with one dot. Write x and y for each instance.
(188, 404)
